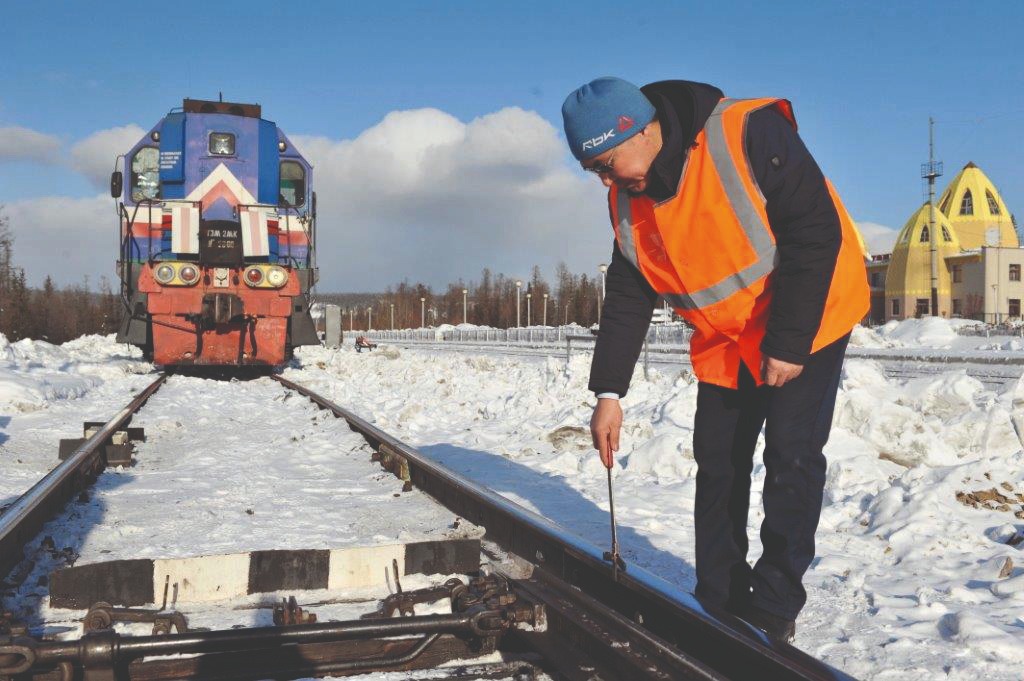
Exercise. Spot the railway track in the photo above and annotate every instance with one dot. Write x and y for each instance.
(540, 601)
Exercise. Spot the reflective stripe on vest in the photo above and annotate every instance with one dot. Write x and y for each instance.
(754, 227)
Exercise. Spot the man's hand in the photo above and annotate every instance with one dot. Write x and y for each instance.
(777, 373)
(604, 428)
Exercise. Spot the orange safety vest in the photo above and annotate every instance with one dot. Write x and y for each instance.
(709, 250)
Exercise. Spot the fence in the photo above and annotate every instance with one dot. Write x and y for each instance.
(674, 334)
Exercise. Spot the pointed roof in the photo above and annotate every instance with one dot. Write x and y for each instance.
(976, 210)
(910, 235)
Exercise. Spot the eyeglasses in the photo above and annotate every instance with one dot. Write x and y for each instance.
(602, 168)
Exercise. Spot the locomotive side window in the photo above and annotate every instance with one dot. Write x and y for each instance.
(293, 184)
(145, 180)
(222, 144)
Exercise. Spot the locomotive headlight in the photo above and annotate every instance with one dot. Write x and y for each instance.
(254, 276)
(164, 274)
(189, 274)
(277, 276)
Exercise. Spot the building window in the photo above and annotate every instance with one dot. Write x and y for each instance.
(993, 205)
(924, 234)
(293, 184)
(145, 179)
(945, 235)
(922, 307)
(895, 307)
(876, 279)
(1014, 307)
(958, 308)
(1015, 272)
(958, 273)
(967, 204)
(944, 206)
(222, 144)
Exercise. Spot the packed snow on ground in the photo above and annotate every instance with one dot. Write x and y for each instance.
(920, 547)
(47, 391)
(936, 333)
(910, 581)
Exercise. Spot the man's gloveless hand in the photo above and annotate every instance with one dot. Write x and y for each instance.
(605, 425)
(776, 373)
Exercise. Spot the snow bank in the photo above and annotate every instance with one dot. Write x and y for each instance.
(907, 576)
(34, 373)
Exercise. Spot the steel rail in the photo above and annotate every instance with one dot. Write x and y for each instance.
(715, 640)
(22, 519)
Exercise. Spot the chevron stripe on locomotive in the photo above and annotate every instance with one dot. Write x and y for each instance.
(218, 233)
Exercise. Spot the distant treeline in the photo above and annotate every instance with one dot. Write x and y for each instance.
(51, 314)
(58, 315)
(491, 301)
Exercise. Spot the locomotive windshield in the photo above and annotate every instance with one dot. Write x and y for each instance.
(222, 144)
(145, 179)
(293, 184)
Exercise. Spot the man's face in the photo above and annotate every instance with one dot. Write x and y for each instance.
(626, 165)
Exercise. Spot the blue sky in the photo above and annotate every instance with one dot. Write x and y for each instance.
(863, 76)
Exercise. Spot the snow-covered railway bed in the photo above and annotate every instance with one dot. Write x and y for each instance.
(232, 509)
(229, 468)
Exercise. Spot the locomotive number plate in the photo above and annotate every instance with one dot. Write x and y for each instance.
(221, 277)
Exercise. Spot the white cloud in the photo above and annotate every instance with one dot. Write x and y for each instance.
(423, 196)
(68, 239)
(419, 196)
(94, 156)
(23, 144)
(879, 238)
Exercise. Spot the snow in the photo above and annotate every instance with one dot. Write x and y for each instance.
(911, 578)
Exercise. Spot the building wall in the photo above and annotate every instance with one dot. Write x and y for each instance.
(971, 288)
(998, 287)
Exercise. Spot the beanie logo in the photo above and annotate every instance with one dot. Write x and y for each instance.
(595, 142)
(625, 123)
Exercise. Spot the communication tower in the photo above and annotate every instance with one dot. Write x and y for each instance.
(929, 171)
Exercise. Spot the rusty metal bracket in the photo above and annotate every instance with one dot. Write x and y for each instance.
(103, 616)
(288, 613)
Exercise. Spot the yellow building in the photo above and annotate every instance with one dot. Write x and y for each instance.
(908, 281)
(977, 253)
(977, 212)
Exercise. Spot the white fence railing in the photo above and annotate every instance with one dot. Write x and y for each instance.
(656, 335)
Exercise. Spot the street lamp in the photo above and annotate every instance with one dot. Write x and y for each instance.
(369, 318)
(423, 313)
(545, 309)
(519, 288)
(465, 319)
(528, 315)
(603, 269)
(392, 316)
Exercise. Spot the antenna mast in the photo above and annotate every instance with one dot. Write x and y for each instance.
(929, 171)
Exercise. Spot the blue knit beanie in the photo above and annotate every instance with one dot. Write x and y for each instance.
(603, 114)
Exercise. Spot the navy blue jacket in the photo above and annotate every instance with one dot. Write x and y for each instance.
(801, 215)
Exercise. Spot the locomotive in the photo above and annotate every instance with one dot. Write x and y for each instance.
(218, 239)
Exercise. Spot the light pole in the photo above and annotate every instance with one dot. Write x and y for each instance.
(566, 322)
(465, 318)
(423, 313)
(603, 269)
(392, 316)
(529, 316)
(545, 310)
(369, 318)
(519, 288)
(351, 318)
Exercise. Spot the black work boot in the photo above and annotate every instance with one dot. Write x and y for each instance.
(776, 628)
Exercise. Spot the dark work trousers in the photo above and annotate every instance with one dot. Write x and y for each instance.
(797, 418)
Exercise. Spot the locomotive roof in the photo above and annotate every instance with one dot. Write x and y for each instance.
(233, 108)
